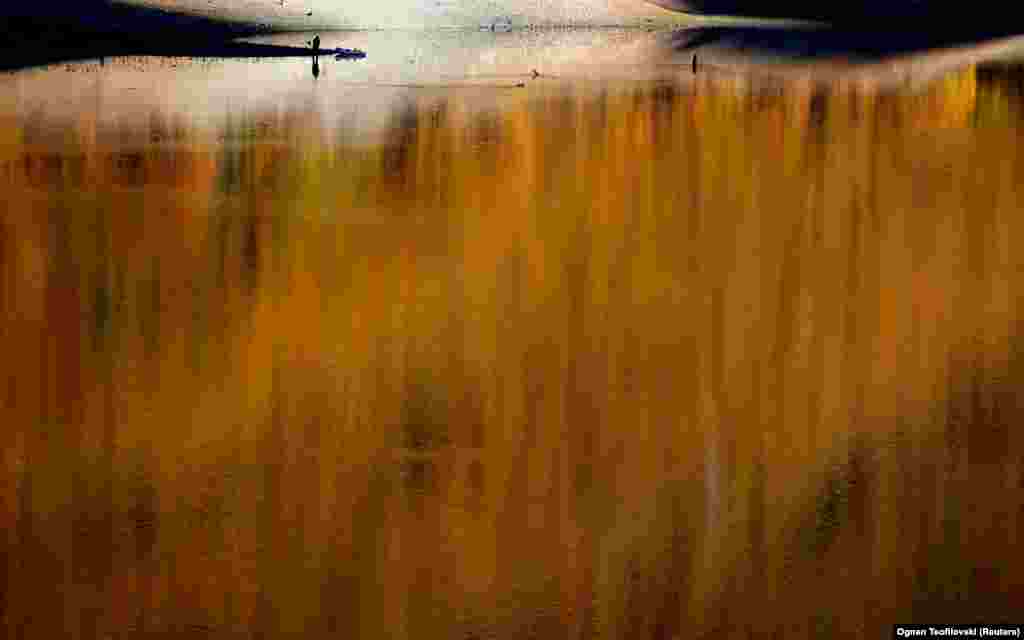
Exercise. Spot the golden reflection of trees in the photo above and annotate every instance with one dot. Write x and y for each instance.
(637, 362)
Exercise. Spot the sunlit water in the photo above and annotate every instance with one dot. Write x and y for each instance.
(408, 350)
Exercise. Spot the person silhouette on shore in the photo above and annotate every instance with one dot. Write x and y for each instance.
(316, 45)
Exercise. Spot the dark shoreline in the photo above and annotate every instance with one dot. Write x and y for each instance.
(811, 43)
(70, 30)
(81, 29)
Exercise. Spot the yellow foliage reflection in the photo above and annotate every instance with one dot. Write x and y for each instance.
(621, 361)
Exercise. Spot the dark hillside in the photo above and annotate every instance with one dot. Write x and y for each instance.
(64, 23)
(63, 30)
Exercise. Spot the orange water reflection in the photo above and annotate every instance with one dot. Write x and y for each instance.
(620, 360)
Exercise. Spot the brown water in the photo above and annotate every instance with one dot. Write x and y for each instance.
(634, 353)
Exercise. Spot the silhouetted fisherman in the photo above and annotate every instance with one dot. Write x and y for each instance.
(316, 57)
(694, 63)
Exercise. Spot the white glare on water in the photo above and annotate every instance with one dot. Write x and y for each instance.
(344, 14)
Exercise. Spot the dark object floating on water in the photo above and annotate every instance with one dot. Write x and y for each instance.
(347, 54)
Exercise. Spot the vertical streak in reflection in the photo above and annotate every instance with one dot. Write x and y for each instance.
(252, 244)
(11, 436)
(270, 571)
(713, 411)
(581, 423)
(24, 545)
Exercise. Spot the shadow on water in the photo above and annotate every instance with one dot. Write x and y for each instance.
(26, 58)
(825, 43)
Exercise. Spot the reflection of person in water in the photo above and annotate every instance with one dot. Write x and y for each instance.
(316, 56)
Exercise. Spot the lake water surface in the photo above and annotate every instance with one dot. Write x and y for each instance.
(429, 346)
